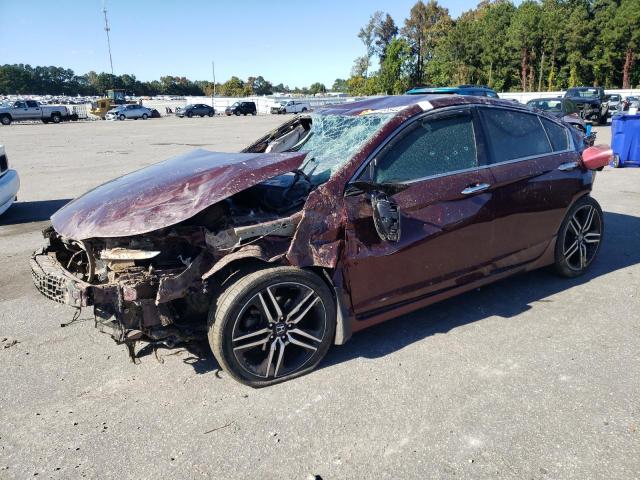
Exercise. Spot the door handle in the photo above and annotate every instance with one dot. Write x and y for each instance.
(478, 187)
(565, 167)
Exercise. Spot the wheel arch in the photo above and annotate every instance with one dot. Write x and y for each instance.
(220, 276)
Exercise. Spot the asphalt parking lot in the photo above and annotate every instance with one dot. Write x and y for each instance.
(535, 377)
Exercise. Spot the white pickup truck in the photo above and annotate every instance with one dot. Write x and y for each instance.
(32, 110)
(290, 106)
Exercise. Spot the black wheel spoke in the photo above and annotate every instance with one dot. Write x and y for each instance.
(279, 330)
(582, 237)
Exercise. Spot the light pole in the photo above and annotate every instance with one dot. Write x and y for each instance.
(213, 70)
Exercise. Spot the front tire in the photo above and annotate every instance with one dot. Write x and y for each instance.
(272, 325)
(579, 238)
(5, 120)
(121, 117)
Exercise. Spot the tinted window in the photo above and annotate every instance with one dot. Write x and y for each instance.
(511, 135)
(20, 105)
(569, 107)
(557, 135)
(431, 147)
(32, 104)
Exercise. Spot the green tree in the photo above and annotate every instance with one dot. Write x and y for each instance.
(317, 88)
(234, 87)
(394, 75)
(626, 33)
(384, 32)
(425, 29)
(367, 36)
(339, 85)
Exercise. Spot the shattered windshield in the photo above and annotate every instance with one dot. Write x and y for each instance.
(334, 139)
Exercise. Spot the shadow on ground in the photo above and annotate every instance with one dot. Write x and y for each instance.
(28, 212)
(507, 298)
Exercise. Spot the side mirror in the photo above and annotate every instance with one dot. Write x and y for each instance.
(596, 157)
(386, 217)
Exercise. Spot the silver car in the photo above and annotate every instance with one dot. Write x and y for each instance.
(128, 111)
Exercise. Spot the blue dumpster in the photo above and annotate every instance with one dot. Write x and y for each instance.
(625, 140)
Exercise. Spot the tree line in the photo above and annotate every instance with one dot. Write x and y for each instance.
(541, 45)
(25, 79)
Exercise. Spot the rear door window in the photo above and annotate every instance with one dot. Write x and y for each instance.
(32, 104)
(511, 135)
(558, 135)
(429, 147)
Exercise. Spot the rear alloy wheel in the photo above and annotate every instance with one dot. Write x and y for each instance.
(210, 113)
(121, 117)
(615, 162)
(55, 118)
(579, 238)
(272, 325)
(145, 116)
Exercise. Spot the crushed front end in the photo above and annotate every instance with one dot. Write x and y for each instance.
(143, 287)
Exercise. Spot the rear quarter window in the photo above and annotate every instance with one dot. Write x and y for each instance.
(558, 135)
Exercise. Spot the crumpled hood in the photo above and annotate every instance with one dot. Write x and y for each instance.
(167, 193)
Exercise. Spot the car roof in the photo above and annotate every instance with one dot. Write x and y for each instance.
(453, 90)
(397, 103)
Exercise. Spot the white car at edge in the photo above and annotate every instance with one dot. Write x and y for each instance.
(9, 182)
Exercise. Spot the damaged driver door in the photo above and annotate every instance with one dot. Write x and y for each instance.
(420, 215)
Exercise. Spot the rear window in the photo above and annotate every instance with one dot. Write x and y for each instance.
(512, 135)
(558, 135)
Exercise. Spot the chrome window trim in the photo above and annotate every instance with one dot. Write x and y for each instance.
(397, 131)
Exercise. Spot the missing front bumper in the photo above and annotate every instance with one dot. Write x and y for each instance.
(55, 283)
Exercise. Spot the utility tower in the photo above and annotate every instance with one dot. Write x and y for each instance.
(106, 29)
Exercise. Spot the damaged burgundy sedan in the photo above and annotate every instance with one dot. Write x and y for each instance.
(329, 224)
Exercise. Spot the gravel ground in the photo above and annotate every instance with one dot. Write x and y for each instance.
(534, 377)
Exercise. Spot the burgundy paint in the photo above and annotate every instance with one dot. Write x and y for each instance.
(167, 193)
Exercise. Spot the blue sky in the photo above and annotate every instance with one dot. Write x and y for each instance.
(293, 42)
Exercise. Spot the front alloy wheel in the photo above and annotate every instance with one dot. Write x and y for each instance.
(579, 238)
(272, 325)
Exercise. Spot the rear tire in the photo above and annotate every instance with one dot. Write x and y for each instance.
(615, 162)
(210, 114)
(579, 238)
(272, 325)
(121, 117)
(145, 116)
(56, 118)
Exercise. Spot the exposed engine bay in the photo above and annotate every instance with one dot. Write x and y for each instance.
(158, 286)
